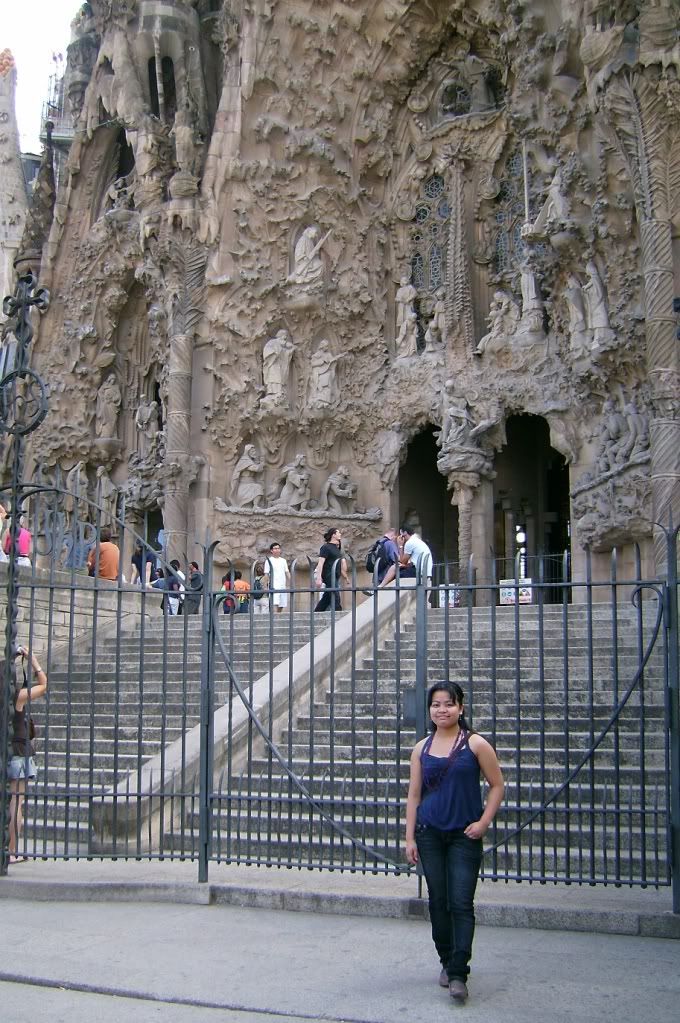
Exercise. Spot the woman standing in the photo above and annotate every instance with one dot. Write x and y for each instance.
(330, 563)
(21, 765)
(445, 824)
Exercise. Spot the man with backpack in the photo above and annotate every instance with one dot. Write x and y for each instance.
(383, 554)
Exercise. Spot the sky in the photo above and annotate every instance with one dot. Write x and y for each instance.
(33, 32)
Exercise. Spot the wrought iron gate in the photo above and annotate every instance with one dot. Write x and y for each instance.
(283, 739)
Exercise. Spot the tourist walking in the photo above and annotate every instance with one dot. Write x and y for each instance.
(445, 824)
(21, 767)
(192, 597)
(259, 593)
(330, 566)
(278, 575)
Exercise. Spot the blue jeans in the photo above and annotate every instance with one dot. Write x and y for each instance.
(451, 862)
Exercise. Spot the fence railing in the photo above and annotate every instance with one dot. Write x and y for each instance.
(283, 739)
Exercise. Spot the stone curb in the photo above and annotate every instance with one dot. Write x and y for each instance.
(550, 918)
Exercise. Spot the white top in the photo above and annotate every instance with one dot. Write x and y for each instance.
(278, 572)
(416, 548)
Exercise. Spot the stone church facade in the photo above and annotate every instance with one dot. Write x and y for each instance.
(348, 262)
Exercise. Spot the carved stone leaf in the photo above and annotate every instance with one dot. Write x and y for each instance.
(188, 303)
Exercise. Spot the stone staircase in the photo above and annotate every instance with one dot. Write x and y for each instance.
(105, 716)
(351, 750)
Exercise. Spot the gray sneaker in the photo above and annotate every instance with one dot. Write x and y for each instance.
(458, 991)
(443, 979)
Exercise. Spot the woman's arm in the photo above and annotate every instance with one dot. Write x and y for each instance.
(413, 802)
(317, 571)
(488, 762)
(36, 691)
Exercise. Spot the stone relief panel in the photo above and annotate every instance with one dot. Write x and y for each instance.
(387, 197)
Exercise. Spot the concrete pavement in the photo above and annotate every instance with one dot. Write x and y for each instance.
(137, 962)
(607, 910)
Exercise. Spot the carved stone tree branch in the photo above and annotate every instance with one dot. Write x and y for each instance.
(189, 273)
(646, 129)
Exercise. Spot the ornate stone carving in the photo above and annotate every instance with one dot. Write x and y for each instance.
(247, 486)
(504, 317)
(407, 321)
(323, 391)
(276, 360)
(294, 493)
(339, 493)
(109, 400)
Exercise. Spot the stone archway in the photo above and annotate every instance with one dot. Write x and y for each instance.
(531, 497)
(423, 498)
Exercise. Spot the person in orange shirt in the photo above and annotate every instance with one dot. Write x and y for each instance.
(109, 557)
(242, 588)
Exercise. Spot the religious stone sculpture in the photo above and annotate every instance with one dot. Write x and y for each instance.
(308, 265)
(579, 340)
(458, 437)
(247, 487)
(407, 322)
(146, 421)
(323, 377)
(595, 297)
(109, 401)
(435, 335)
(530, 326)
(276, 359)
(339, 493)
(294, 479)
(106, 495)
(503, 319)
(75, 500)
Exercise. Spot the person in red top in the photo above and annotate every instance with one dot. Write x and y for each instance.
(109, 557)
(23, 546)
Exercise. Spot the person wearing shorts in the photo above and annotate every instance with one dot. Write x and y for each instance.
(21, 766)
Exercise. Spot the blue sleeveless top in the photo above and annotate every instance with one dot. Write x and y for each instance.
(457, 800)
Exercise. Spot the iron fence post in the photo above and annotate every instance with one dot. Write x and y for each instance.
(421, 649)
(674, 699)
(206, 718)
(23, 407)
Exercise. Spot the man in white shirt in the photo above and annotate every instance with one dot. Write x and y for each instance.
(278, 576)
(415, 553)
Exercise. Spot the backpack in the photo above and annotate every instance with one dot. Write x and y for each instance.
(257, 590)
(374, 556)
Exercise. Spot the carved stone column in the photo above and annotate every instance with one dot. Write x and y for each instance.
(178, 427)
(463, 494)
(663, 366)
(650, 143)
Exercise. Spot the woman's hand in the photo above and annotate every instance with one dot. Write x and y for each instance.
(477, 829)
(411, 852)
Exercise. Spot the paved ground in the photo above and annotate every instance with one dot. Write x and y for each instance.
(607, 910)
(138, 962)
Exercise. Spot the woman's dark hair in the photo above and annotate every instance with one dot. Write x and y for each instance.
(456, 694)
(328, 535)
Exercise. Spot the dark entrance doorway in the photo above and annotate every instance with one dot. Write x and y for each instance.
(424, 501)
(531, 500)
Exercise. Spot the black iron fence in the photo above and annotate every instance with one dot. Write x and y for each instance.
(241, 734)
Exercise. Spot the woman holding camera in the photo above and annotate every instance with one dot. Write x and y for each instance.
(21, 764)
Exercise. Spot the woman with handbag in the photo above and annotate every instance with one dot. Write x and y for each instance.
(21, 766)
(445, 824)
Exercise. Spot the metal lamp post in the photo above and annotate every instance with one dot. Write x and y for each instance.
(23, 407)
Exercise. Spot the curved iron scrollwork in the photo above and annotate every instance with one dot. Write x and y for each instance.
(23, 407)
